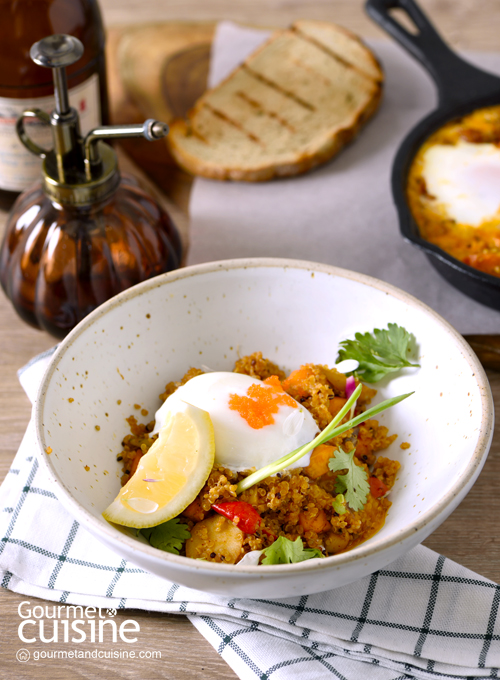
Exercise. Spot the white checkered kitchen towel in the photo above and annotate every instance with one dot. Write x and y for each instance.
(422, 617)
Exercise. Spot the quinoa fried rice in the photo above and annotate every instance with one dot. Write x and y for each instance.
(294, 503)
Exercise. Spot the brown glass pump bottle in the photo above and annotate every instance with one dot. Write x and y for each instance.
(83, 233)
(25, 85)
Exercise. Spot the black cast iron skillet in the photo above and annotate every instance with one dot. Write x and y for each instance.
(462, 88)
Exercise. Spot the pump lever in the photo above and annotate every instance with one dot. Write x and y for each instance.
(151, 130)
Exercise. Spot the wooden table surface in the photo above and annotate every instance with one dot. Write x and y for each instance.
(470, 535)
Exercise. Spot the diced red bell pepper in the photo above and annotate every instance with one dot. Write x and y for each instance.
(377, 487)
(248, 517)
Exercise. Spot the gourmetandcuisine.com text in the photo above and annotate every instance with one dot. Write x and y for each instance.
(95, 654)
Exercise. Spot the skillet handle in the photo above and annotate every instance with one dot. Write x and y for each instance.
(457, 81)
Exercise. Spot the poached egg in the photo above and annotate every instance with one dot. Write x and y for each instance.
(464, 181)
(255, 422)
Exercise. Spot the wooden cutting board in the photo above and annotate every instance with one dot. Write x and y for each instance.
(159, 71)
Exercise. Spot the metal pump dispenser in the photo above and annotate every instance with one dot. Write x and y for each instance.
(86, 232)
(77, 171)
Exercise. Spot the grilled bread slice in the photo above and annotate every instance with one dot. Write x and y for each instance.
(293, 104)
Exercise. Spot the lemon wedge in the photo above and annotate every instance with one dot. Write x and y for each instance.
(171, 474)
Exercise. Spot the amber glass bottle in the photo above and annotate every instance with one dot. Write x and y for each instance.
(58, 264)
(24, 85)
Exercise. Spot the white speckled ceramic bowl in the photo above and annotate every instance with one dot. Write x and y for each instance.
(294, 312)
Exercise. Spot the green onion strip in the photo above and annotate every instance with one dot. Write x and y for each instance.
(330, 431)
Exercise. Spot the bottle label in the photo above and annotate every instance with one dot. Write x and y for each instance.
(18, 167)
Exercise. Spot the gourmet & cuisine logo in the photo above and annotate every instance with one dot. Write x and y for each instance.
(72, 623)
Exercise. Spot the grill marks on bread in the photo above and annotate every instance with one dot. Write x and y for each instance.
(256, 105)
(292, 105)
(341, 45)
(276, 86)
(234, 123)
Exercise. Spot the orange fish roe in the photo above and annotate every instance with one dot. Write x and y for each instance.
(261, 403)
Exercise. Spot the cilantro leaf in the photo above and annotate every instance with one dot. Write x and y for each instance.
(378, 353)
(169, 536)
(285, 551)
(355, 480)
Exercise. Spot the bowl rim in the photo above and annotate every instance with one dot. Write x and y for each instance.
(107, 532)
